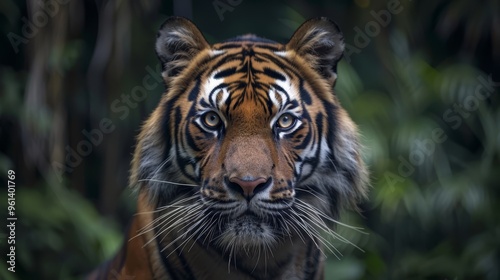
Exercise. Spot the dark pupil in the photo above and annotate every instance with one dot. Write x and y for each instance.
(285, 119)
(212, 119)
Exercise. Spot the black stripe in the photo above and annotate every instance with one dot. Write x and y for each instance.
(215, 189)
(164, 260)
(188, 273)
(190, 141)
(281, 189)
(194, 92)
(333, 198)
(331, 110)
(312, 261)
(225, 59)
(304, 94)
(182, 162)
(307, 139)
(166, 133)
(274, 74)
(225, 73)
(315, 160)
(285, 65)
(202, 103)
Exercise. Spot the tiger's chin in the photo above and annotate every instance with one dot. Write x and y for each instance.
(246, 232)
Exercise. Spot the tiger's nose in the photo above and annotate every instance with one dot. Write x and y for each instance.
(248, 188)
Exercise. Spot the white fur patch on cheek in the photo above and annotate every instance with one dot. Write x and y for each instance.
(306, 169)
(216, 52)
(281, 53)
(325, 150)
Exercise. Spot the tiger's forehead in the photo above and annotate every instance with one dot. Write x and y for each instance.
(247, 75)
(249, 91)
(226, 92)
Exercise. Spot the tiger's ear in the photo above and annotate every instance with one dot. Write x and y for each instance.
(321, 43)
(177, 43)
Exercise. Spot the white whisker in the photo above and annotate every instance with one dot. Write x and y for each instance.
(316, 210)
(168, 182)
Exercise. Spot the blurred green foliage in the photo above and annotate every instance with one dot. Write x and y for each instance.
(59, 234)
(432, 145)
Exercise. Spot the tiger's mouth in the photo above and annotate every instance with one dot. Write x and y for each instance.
(248, 214)
(246, 218)
(258, 210)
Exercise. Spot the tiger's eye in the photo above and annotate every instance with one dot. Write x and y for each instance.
(211, 120)
(286, 121)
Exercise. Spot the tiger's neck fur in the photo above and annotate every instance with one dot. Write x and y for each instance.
(141, 257)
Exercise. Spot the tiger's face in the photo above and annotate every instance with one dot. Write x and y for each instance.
(251, 142)
(249, 138)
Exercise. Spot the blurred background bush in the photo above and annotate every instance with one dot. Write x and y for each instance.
(421, 78)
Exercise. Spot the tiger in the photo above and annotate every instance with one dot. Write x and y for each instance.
(246, 162)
